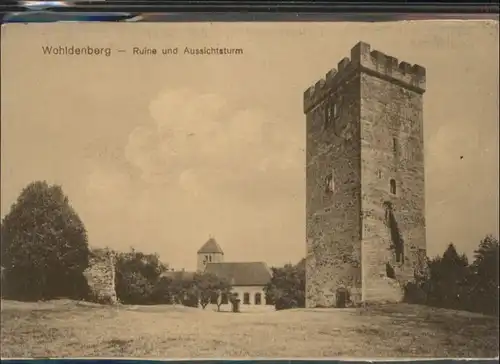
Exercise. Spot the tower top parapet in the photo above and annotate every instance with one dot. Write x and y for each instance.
(374, 62)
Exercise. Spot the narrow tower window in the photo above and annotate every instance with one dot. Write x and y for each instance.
(328, 116)
(329, 184)
(331, 113)
(394, 145)
(393, 186)
(390, 271)
(334, 110)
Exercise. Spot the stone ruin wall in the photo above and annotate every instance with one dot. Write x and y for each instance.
(100, 276)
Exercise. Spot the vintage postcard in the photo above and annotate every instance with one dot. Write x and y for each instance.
(250, 190)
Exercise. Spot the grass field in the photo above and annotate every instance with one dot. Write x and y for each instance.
(71, 329)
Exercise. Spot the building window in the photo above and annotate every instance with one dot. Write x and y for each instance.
(329, 183)
(394, 145)
(246, 298)
(258, 299)
(224, 299)
(209, 258)
(393, 186)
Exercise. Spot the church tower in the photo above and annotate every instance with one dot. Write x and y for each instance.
(365, 196)
(210, 252)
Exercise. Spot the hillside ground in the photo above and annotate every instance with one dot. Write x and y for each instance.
(74, 329)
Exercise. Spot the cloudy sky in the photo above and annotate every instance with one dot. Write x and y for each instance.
(160, 152)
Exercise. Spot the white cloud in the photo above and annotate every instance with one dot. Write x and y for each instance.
(107, 198)
(199, 138)
(188, 181)
(102, 180)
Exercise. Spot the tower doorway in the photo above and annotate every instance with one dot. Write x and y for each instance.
(341, 298)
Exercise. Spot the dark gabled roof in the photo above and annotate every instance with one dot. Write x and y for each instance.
(179, 275)
(241, 274)
(210, 246)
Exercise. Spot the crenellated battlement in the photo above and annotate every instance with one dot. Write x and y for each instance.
(374, 62)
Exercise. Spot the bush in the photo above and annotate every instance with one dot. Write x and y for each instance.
(415, 294)
(137, 275)
(287, 286)
(163, 292)
(286, 302)
(190, 300)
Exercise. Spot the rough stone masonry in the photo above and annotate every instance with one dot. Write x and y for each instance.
(365, 180)
(100, 276)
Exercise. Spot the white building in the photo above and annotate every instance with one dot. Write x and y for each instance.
(247, 279)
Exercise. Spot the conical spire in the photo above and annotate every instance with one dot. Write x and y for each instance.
(210, 246)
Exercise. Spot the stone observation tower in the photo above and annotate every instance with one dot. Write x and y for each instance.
(365, 180)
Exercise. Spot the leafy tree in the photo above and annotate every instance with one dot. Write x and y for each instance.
(191, 297)
(223, 294)
(452, 283)
(44, 246)
(134, 288)
(485, 269)
(137, 274)
(177, 288)
(287, 286)
(449, 279)
(172, 290)
(485, 263)
(208, 287)
(163, 292)
(181, 289)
